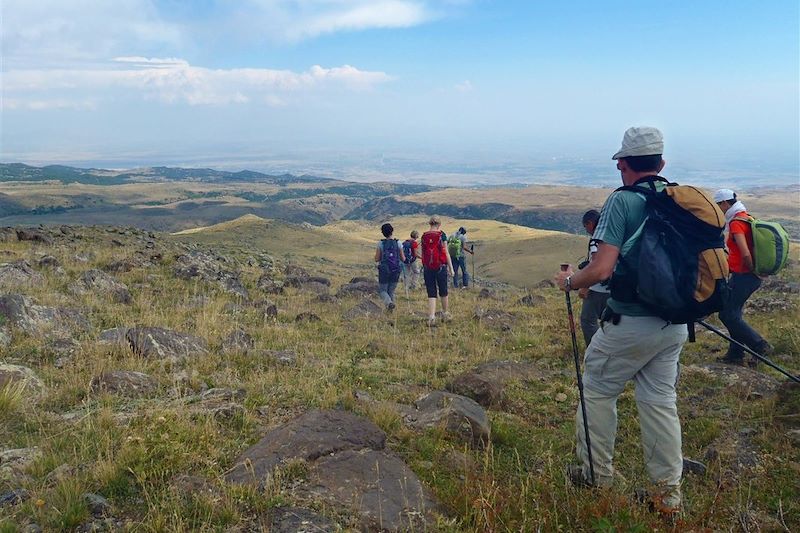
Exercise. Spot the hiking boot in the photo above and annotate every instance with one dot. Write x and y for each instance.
(576, 476)
(390, 307)
(666, 501)
(729, 360)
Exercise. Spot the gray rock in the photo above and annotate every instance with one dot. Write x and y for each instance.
(366, 308)
(358, 288)
(487, 294)
(22, 313)
(124, 383)
(65, 347)
(160, 343)
(300, 520)
(8, 235)
(238, 342)
(744, 381)
(531, 300)
(385, 493)
(545, 284)
(26, 234)
(308, 437)
(268, 285)
(48, 261)
(14, 497)
(458, 415)
(495, 317)
(113, 337)
(5, 338)
(269, 308)
(281, 357)
(15, 461)
(694, 467)
(486, 384)
(97, 504)
(20, 375)
(100, 283)
(314, 288)
(296, 271)
(210, 268)
(307, 317)
(19, 274)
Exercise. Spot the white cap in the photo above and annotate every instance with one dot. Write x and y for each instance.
(641, 140)
(723, 195)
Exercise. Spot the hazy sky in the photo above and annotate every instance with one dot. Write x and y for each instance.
(89, 80)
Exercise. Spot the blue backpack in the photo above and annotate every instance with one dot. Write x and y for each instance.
(408, 252)
(390, 256)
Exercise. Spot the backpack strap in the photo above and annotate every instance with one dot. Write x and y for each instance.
(650, 181)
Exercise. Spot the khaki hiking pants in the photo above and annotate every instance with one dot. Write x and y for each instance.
(645, 350)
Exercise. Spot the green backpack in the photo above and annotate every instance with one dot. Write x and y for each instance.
(770, 246)
(454, 246)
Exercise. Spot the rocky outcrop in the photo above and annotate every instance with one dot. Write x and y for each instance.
(123, 383)
(458, 415)
(210, 268)
(364, 309)
(99, 283)
(349, 468)
(160, 343)
(19, 274)
(37, 320)
(238, 342)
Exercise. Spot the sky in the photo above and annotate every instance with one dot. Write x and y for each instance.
(356, 83)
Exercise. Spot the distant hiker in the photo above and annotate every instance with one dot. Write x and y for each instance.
(633, 342)
(436, 265)
(594, 297)
(742, 283)
(457, 248)
(411, 263)
(388, 258)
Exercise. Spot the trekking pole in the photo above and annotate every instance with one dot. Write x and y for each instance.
(748, 350)
(564, 267)
(472, 249)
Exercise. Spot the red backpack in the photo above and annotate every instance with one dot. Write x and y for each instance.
(434, 254)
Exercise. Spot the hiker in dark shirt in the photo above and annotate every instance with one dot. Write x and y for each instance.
(389, 259)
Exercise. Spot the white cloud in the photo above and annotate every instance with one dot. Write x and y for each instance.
(464, 87)
(173, 80)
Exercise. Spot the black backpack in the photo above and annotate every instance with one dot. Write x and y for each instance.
(682, 270)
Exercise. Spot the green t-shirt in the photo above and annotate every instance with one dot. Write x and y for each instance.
(621, 216)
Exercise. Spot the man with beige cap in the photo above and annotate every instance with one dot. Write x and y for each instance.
(632, 344)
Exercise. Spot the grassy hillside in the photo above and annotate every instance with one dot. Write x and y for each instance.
(139, 452)
(503, 252)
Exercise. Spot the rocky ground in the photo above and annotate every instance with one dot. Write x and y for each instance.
(147, 384)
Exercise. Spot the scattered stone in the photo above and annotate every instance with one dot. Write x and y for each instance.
(495, 317)
(314, 288)
(124, 383)
(269, 285)
(48, 261)
(15, 461)
(366, 308)
(113, 336)
(210, 268)
(745, 381)
(162, 343)
(561, 397)
(120, 266)
(694, 467)
(296, 271)
(269, 309)
(33, 235)
(545, 284)
(60, 473)
(326, 298)
(14, 497)
(531, 300)
(19, 375)
(458, 415)
(307, 317)
(65, 347)
(361, 279)
(220, 403)
(97, 505)
(487, 294)
(238, 342)
(282, 357)
(300, 520)
(8, 235)
(5, 338)
(36, 320)
(19, 274)
(486, 384)
(100, 283)
(359, 288)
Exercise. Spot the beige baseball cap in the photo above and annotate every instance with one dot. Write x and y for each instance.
(641, 140)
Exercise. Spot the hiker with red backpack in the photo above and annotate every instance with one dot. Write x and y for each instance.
(388, 258)
(743, 280)
(411, 267)
(437, 266)
(661, 245)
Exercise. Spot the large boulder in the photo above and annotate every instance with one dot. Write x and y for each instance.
(349, 468)
(160, 343)
(98, 282)
(366, 308)
(486, 384)
(458, 415)
(359, 288)
(18, 274)
(124, 383)
(19, 375)
(238, 342)
(37, 320)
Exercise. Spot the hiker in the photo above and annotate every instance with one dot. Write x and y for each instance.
(436, 265)
(388, 259)
(742, 282)
(411, 266)
(594, 297)
(632, 343)
(457, 247)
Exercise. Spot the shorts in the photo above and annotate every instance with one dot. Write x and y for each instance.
(436, 279)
